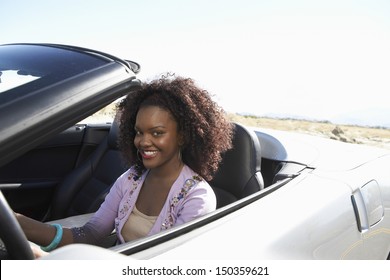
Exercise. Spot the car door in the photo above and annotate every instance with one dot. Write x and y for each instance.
(370, 202)
(32, 178)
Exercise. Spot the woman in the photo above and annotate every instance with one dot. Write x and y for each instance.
(172, 135)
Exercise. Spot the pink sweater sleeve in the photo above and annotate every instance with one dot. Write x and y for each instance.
(200, 201)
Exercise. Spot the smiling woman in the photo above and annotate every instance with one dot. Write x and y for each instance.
(172, 146)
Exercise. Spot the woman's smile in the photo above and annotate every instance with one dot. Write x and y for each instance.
(148, 154)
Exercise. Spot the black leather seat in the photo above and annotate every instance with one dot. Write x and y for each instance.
(239, 174)
(85, 188)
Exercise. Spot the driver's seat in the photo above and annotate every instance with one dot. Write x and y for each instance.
(239, 174)
(86, 187)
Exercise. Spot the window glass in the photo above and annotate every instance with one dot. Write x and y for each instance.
(11, 79)
(22, 64)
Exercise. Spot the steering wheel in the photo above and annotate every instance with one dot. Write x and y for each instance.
(12, 235)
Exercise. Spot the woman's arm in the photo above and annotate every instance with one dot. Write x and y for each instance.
(99, 226)
(199, 201)
(41, 233)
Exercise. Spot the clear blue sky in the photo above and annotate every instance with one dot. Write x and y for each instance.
(328, 60)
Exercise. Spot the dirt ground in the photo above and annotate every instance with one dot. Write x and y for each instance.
(347, 133)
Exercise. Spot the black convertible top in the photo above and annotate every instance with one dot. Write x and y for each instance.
(51, 87)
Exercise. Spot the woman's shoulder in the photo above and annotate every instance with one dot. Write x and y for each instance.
(192, 180)
(192, 185)
(188, 173)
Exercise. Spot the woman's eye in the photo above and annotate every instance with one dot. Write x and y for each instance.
(157, 133)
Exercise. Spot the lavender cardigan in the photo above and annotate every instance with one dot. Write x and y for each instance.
(190, 197)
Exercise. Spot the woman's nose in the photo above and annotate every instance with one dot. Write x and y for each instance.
(144, 140)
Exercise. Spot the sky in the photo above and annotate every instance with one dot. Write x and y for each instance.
(322, 60)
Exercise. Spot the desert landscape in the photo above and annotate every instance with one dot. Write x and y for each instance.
(379, 137)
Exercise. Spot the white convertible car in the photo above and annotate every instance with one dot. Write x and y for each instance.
(280, 195)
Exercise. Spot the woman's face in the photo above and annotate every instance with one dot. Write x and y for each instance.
(157, 138)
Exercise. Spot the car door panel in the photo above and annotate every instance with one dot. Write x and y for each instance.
(33, 177)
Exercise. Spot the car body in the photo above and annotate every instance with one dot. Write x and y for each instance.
(317, 198)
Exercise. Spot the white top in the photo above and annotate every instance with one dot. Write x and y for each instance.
(137, 225)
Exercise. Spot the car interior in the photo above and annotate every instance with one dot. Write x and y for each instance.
(88, 162)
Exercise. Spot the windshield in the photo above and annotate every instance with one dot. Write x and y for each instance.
(22, 64)
(11, 78)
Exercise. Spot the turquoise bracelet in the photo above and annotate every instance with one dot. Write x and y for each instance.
(56, 239)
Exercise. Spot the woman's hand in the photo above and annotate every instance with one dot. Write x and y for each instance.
(37, 251)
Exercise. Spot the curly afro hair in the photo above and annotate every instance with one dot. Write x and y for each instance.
(204, 125)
